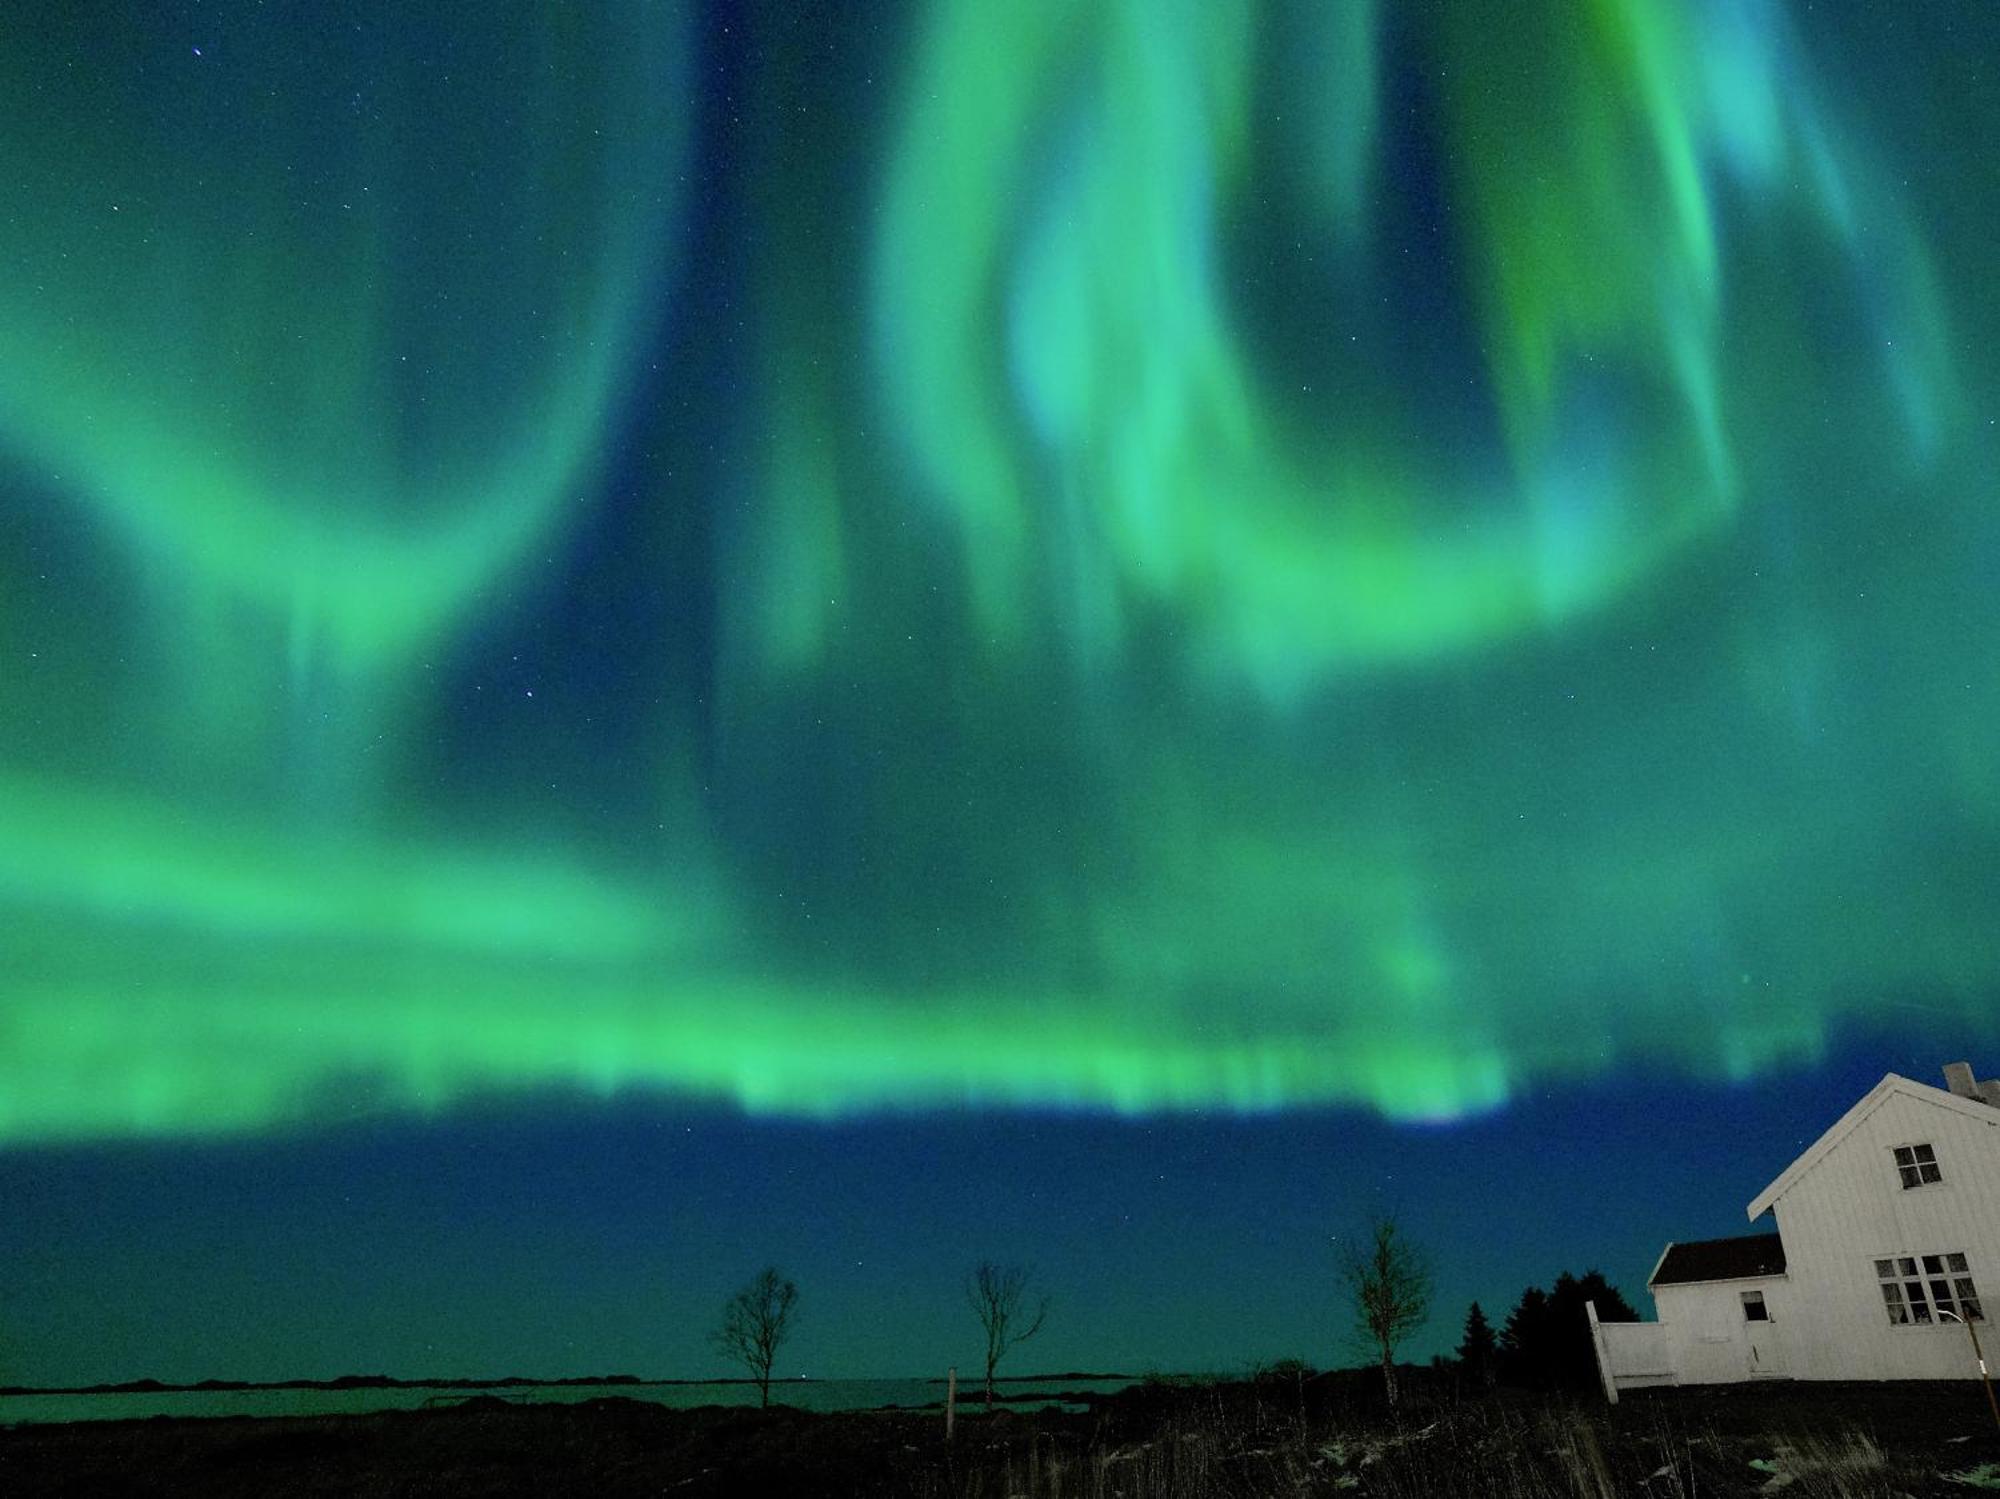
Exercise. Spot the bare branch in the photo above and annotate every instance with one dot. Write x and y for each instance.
(755, 1323)
(994, 1292)
(1390, 1283)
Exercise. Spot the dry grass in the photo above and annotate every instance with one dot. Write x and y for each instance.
(1213, 1444)
(1270, 1439)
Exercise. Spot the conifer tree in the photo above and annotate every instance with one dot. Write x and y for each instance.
(1477, 1352)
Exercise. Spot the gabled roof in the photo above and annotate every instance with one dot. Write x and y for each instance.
(1891, 1083)
(1742, 1258)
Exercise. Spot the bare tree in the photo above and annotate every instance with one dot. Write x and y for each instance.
(755, 1322)
(1390, 1282)
(995, 1292)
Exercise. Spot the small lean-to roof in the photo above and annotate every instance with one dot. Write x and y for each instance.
(1743, 1258)
(1892, 1082)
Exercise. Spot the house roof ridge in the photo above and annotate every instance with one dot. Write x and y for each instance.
(1892, 1082)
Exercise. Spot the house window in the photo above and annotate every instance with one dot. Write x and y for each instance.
(1917, 1165)
(1754, 1309)
(1917, 1288)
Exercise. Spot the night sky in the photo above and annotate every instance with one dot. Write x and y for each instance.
(642, 638)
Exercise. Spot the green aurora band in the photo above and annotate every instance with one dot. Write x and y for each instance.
(1247, 554)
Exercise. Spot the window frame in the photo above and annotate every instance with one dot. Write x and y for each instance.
(1917, 1289)
(1916, 1165)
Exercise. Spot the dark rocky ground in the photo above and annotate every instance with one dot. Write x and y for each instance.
(1329, 1435)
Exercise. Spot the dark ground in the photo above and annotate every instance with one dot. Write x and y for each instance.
(1329, 1435)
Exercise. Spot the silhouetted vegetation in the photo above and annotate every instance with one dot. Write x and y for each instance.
(995, 1294)
(1294, 1371)
(1478, 1352)
(1546, 1343)
(1332, 1436)
(1390, 1283)
(755, 1323)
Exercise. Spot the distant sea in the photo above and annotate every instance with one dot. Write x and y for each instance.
(807, 1394)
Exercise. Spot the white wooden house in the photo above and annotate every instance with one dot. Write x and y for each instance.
(1888, 1228)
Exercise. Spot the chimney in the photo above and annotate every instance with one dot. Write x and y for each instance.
(1959, 1079)
(1990, 1091)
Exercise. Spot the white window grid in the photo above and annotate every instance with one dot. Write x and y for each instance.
(1918, 1288)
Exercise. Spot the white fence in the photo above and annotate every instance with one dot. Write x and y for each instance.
(1631, 1355)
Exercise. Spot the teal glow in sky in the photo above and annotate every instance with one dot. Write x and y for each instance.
(1131, 555)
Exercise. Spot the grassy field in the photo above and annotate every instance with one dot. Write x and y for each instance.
(1328, 1435)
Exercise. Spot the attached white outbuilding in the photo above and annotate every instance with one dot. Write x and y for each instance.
(1887, 1228)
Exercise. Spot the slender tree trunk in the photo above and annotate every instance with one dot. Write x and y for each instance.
(1389, 1374)
(989, 1384)
(764, 1387)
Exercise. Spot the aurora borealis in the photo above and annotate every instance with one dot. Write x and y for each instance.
(1133, 556)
